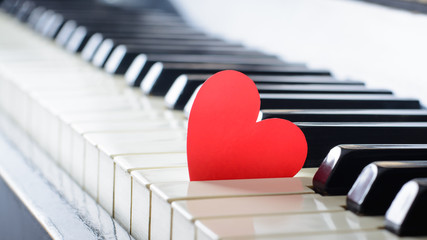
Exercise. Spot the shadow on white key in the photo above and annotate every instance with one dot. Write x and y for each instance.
(185, 213)
(105, 183)
(288, 224)
(141, 195)
(164, 194)
(124, 166)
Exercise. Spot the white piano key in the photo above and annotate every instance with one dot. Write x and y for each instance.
(91, 168)
(124, 165)
(185, 213)
(306, 172)
(288, 224)
(67, 119)
(351, 235)
(46, 123)
(141, 195)
(79, 129)
(93, 141)
(164, 194)
(106, 163)
(114, 129)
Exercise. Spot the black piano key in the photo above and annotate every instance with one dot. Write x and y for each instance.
(142, 63)
(182, 89)
(286, 79)
(378, 184)
(96, 16)
(120, 60)
(303, 79)
(44, 21)
(10, 6)
(25, 10)
(343, 115)
(343, 163)
(96, 39)
(64, 34)
(94, 13)
(57, 20)
(323, 136)
(35, 15)
(82, 35)
(335, 101)
(319, 88)
(407, 213)
(85, 33)
(130, 52)
(161, 76)
(151, 39)
(130, 28)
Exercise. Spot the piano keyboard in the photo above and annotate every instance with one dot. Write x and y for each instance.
(124, 144)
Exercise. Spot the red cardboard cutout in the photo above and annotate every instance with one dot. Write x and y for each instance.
(224, 140)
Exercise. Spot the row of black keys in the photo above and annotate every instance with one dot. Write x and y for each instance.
(388, 180)
(159, 53)
(165, 57)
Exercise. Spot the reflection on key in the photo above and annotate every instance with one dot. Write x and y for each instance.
(185, 213)
(378, 184)
(164, 194)
(290, 224)
(407, 212)
(344, 163)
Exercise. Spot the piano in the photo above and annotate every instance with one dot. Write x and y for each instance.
(94, 100)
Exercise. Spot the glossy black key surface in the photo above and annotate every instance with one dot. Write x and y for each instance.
(343, 163)
(321, 137)
(85, 33)
(378, 184)
(286, 79)
(182, 89)
(344, 115)
(130, 52)
(335, 101)
(121, 58)
(142, 63)
(96, 39)
(407, 213)
(161, 76)
(82, 35)
(319, 88)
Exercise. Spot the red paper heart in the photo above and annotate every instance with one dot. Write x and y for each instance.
(224, 141)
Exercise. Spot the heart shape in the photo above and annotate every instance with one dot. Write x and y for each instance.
(224, 141)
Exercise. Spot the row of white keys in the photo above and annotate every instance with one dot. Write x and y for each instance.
(96, 137)
(286, 224)
(87, 137)
(186, 213)
(142, 180)
(107, 151)
(164, 194)
(351, 235)
(106, 163)
(124, 167)
(139, 175)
